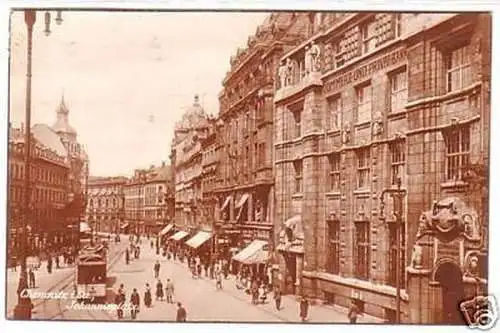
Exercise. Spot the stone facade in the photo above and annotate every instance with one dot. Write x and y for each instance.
(186, 159)
(245, 184)
(210, 162)
(367, 100)
(48, 192)
(148, 201)
(105, 206)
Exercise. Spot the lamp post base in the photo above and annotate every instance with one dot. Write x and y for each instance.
(23, 309)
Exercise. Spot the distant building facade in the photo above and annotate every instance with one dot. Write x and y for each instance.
(186, 158)
(245, 184)
(105, 206)
(368, 100)
(148, 200)
(48, 191)
(79, 165)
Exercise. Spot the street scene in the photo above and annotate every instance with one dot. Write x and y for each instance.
(298, 167)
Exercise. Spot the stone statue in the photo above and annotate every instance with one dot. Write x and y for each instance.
(289, 71)
(315, 52)
(282, 73)
(416, 257)
(346, 133)
(377, 126)
(307, 61)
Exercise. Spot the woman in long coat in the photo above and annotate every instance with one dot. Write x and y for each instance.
(147, 296)
(304, 309)
(159, 290)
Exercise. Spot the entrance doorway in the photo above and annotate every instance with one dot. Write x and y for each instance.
(290, 272)
(449, 276)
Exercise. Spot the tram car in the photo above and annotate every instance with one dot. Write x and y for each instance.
(91, 274)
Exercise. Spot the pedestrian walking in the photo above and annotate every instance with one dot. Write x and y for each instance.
(31, 278)
(159, 291)
(218, 284)
(57, 260)
(120, 301)
(181, 313)
(277, 297)
(169, 291)
(127, 256)
(353, 312)
(304, 308)
(49, 265)
(156, 269)
(262, 294)
(199, 270)
(147, 296)
(152, 244)
(135, 300)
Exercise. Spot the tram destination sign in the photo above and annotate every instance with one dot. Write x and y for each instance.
(346, 78)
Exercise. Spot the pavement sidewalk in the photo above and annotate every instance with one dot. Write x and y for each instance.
(289, 312)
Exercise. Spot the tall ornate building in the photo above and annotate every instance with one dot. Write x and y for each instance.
(48, 190)
(79, 164)
(245, 185)
(105, 206)
(187, 160)
(371, 101)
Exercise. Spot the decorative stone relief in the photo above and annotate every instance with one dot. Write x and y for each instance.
(416, 257)
(346, 133)
(377, 125)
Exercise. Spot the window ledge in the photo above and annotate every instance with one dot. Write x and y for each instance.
(333, 194)
(454, 184)
(396, 114)
(297, 196)
(363, 124)
(362, 191)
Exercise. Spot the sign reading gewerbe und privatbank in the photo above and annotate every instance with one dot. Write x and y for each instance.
(387, 60)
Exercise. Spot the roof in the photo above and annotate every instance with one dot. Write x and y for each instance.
(49, 138)
(194, 117)
(62, 122)
(159, 174)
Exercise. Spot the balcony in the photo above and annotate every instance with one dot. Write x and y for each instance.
(296, 86)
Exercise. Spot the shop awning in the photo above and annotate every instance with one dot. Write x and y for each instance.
(197, 240)
(179, 235)
(124, 225)
(226, 203)
(84, 227)
(254, 253)
(242, 201)
(166, 229)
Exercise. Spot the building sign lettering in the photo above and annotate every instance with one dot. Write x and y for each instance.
(363, 71)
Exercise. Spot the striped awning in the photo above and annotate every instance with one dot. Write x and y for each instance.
(166, 229)
(197, 240)
(254, 253)
(179, 235)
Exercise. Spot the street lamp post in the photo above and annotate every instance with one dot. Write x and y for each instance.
(23, 308)
(398, 195)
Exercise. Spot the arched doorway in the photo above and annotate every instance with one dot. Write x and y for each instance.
(449, 277)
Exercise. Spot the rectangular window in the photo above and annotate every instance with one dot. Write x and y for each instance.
(333, 247)
(363, 157)
(399, 90)
(297, 117)
(297, 165)
(391, 279)
(364, 103)
(368, 33)
(334, 161)
(397, 150)
(459, 68)
(361, 250)
(457, 143)
(335, 112)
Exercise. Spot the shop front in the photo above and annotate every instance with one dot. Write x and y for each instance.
(166, 232)
(200, 244)
(254, 257)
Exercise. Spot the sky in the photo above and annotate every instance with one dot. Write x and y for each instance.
(126, 77)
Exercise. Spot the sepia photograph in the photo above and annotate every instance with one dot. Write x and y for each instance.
(238, 166)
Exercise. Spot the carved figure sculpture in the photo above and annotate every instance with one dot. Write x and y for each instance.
(307, 61)
(289, 71)
(315, 52)
(282, 73)
(416, 257)
(346, 134)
